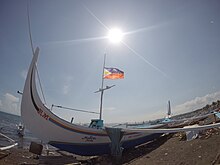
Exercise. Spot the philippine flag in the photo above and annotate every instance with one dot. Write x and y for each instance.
(113, 73)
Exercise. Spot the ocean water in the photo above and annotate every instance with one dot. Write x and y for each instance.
(8, 127)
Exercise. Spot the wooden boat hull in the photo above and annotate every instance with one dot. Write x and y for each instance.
(65, 135)
(100, 149)
(75, 138)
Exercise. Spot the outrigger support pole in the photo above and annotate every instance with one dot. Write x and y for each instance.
(74, 109)
(115, 135)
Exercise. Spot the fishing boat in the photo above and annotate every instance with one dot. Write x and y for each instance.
(168, 119)
(94, 139)
(77, 139)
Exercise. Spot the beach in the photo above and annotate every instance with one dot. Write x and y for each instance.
(170, 149)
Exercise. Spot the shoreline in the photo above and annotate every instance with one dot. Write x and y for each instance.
(170, 149)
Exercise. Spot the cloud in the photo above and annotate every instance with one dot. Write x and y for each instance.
(196, 103)
(110, 108)
(67, 85)
(66, 88)
(188, 106)
(24, 74)
(10, 104)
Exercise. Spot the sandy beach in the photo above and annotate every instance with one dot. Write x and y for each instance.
(170, 149)
(167, 150)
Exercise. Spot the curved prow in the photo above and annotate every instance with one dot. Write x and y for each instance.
(42, 122)
(29, 92)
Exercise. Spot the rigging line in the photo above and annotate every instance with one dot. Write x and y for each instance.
(79, 110)
(32, 48)
(40, 85)
(29, 27)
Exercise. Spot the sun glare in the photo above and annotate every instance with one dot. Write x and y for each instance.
(115, 35)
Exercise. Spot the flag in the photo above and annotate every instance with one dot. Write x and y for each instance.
(113, 73)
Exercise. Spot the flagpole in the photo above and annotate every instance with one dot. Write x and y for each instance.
(102, 90)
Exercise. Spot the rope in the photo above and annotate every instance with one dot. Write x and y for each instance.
(41, 89)
(32, 48)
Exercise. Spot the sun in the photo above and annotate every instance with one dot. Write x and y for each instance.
(115, 35)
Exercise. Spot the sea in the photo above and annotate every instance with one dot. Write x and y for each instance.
(8, 127)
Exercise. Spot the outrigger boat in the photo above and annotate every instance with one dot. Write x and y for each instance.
(73, 138)
(77, 139)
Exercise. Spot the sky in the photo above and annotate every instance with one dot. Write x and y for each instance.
(170, 51)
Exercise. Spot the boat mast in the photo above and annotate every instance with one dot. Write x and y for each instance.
(169, 110)
(101, 89)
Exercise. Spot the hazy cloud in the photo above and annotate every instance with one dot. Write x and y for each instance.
(10, 104)
(66, 89)
(24, 74)
(196, 103)
(67, 85)
(188, 106)
(110, 108)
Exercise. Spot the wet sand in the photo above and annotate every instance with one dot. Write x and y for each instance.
(167, 150)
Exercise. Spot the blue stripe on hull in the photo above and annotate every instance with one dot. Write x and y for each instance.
(136, 142)
(100, 149)
(85, 150)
